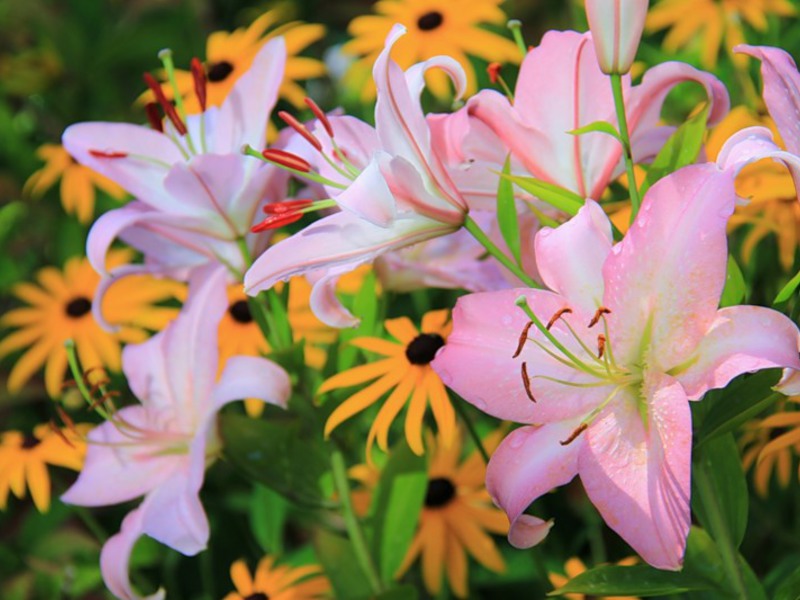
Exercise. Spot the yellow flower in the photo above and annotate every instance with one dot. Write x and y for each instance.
(24, 460)
(773, 207)
(405, 370)
(78, 183)
(455, 519)
(270, 582)
(434, 27)
(60, 308)
(713, 23)
(574, 567)
(229, 56)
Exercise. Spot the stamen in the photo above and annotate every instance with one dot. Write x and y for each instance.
(523, 337)
(599, 315)
(65, 418)
(279, 208)
(200, 82)
(277, 221)
(57, 430)
(601, 345)
(557, 316)
(154, 117)
(581, 428)
(526, 381)
(493, 70)
(301, 129)
(287, 159)
(107, 154)
(321, 116)
(166, 105)
(285, 213)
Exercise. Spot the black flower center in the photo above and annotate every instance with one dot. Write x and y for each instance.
(423, 348)
(30, 442)
(240, 311)
(77, 307)
(219, 71)
(257, 596)
(440, 491)
(777, 432)
(430, 20)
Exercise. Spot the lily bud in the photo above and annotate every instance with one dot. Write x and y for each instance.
(616, 27)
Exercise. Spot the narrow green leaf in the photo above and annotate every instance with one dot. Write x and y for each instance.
(268, 511)
(735, 286)
(556, 196)
(598, 127)
(790, 588)
(787, 290)
(681, 149)
(341, 567)
(396, 507)
(507, 212)
(403, 592)
(638, 580)
(366, 308)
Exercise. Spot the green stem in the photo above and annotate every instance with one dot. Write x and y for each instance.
(91, 523)
(354, 530)
(515, 25)
(471, 226)
(622, 119)
(470, 427)
(730, 556)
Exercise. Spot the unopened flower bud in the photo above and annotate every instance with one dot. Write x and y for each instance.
(616, 27)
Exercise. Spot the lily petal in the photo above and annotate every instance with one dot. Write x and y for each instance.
(252, 377)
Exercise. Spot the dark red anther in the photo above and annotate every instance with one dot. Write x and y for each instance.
(200, 82)
(281, 208)
(526, 382)
(107, 154)
(580, 429)
(557, 316)
(276, 221)
(601, 345)
(321, 116)
(166, 105)
(523, 337)
(494, 71)
(301, 129)
(153, 116)
(599, 315)
(287, 159)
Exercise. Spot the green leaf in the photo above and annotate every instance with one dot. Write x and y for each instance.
(366, 308)
(396, 507)
(638, 580)
(404, 592)
(790, 588)
(787, 290)
(268, 511)
(598, 127)
(556, 196)
(277, 452)
(702, 560)
(735, 286)
(507, 212)
(341, 567)
(722, 468)
(681, 149)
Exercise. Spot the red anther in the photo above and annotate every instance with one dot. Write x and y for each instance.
(154, 117)
(526, 381)
(107, 154)
(599, 315)
(57, 430)
(321, 116)
(280, 208)
(287, 159)
(200, 81)
(166, 105)
(276, 221)
(103, 399)
(601, 345)
(494, 71)
(557, 316)
(523, 337)
(581, 428)
(301, 129)
(65, 418)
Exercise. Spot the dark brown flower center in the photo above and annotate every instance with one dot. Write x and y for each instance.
(77, 307)
(240, 311)
(257, 596)
(440, 492)
(30, 442)
(430, 20)
(423, 348)
(219, 71)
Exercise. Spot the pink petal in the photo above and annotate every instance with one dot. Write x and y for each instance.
(325, 303)
(570, 258)
(742, 339)
(755, 143)
(637, 476)
(665, 278)
(369, 195)
(252, 377)
(529, 463)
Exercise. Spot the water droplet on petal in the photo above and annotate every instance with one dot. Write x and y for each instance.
(515, 441)
(479, 403)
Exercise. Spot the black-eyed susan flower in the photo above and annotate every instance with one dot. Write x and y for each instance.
(456, 519)
(24, 460)
(59, 307)
(274, 582)
(574, 567)
(712, 23)
(78, 183)
(404, 373)
(434, 27)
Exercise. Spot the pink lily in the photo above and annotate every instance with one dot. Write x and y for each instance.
(392, 187)
(159, 448)
(561, 88)
(629, 335)
(616, 27)
(196, 194)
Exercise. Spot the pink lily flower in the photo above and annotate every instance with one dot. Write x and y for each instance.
(561, 88)
(392, 187)
(629, 334)
(160, 447)
(196, 194)
(616, 27)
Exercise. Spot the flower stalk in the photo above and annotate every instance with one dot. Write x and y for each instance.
(624, 134)
(474, 229)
